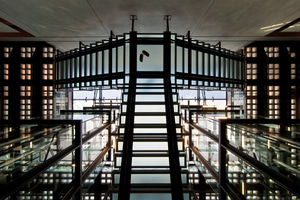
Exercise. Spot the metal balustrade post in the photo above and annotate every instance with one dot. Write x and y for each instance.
(190, 136)
(78, 160)
(222, 161)
(109, 136)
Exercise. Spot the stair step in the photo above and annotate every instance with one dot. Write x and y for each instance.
(150, 126)
(150, 93)
(148, 114)
(152, 138)
(152, 171)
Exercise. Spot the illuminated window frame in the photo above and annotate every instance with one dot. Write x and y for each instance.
(251, 71)
(27, 52)
(273, 71)
(48, 71)
(25, 72)
(251, 104)
(251, 52)
(273, 101)
(7, 51)
(25, 102)
(272, 52)
(48, 52)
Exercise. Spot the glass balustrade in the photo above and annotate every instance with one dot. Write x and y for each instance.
(36, 144)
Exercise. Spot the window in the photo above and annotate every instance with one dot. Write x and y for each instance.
(273, 102)
(293, 71)
(25, 102)
(293, 103)
(273, 71)
(25, 72)
(251, 92)
(251, 71)
(7, 51)
(251, 52)
(48, 71)
(48, 52)
(272, 51)
(47, 107)
(6, 72)
(5, 102)
(27, 52)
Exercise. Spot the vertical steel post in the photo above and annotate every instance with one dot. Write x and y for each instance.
(190, 135)
(222, 160)
(189, 58)
(109, 137)
(78, 160)
(175, 171)
(125, 174)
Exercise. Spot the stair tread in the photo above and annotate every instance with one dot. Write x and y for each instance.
(149, 114)
(154, 125)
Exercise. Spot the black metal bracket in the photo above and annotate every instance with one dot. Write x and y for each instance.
(132, 18)
(167, 18)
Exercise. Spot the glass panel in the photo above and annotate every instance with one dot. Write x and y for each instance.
(150, 161)
(194, 62)
(120, 59)
(186, 60)
(179, 60)
(105, 62)
(93, 63)
(150, 178)
(200, 63)
(206, 64)
(87, 64)
(212, 65)
(99, 63)
(114, 58)
(150, 58)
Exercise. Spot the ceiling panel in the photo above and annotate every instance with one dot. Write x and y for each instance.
(64, 23)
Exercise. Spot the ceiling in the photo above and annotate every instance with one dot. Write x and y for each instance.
(63, 23)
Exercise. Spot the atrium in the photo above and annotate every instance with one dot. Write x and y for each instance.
(185, 101)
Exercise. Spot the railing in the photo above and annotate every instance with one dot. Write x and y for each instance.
(192, 62)
(249, 157)
(61, 155)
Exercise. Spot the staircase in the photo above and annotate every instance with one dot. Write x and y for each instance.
(153, 166)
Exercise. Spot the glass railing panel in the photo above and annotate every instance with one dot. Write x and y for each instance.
(275, 151)
(211, 125)
(91, 178)
(55, 178)
(208, 176)
(251, 183)
(92, 148)
(93, 122)
(33, 149)
(207, 147)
